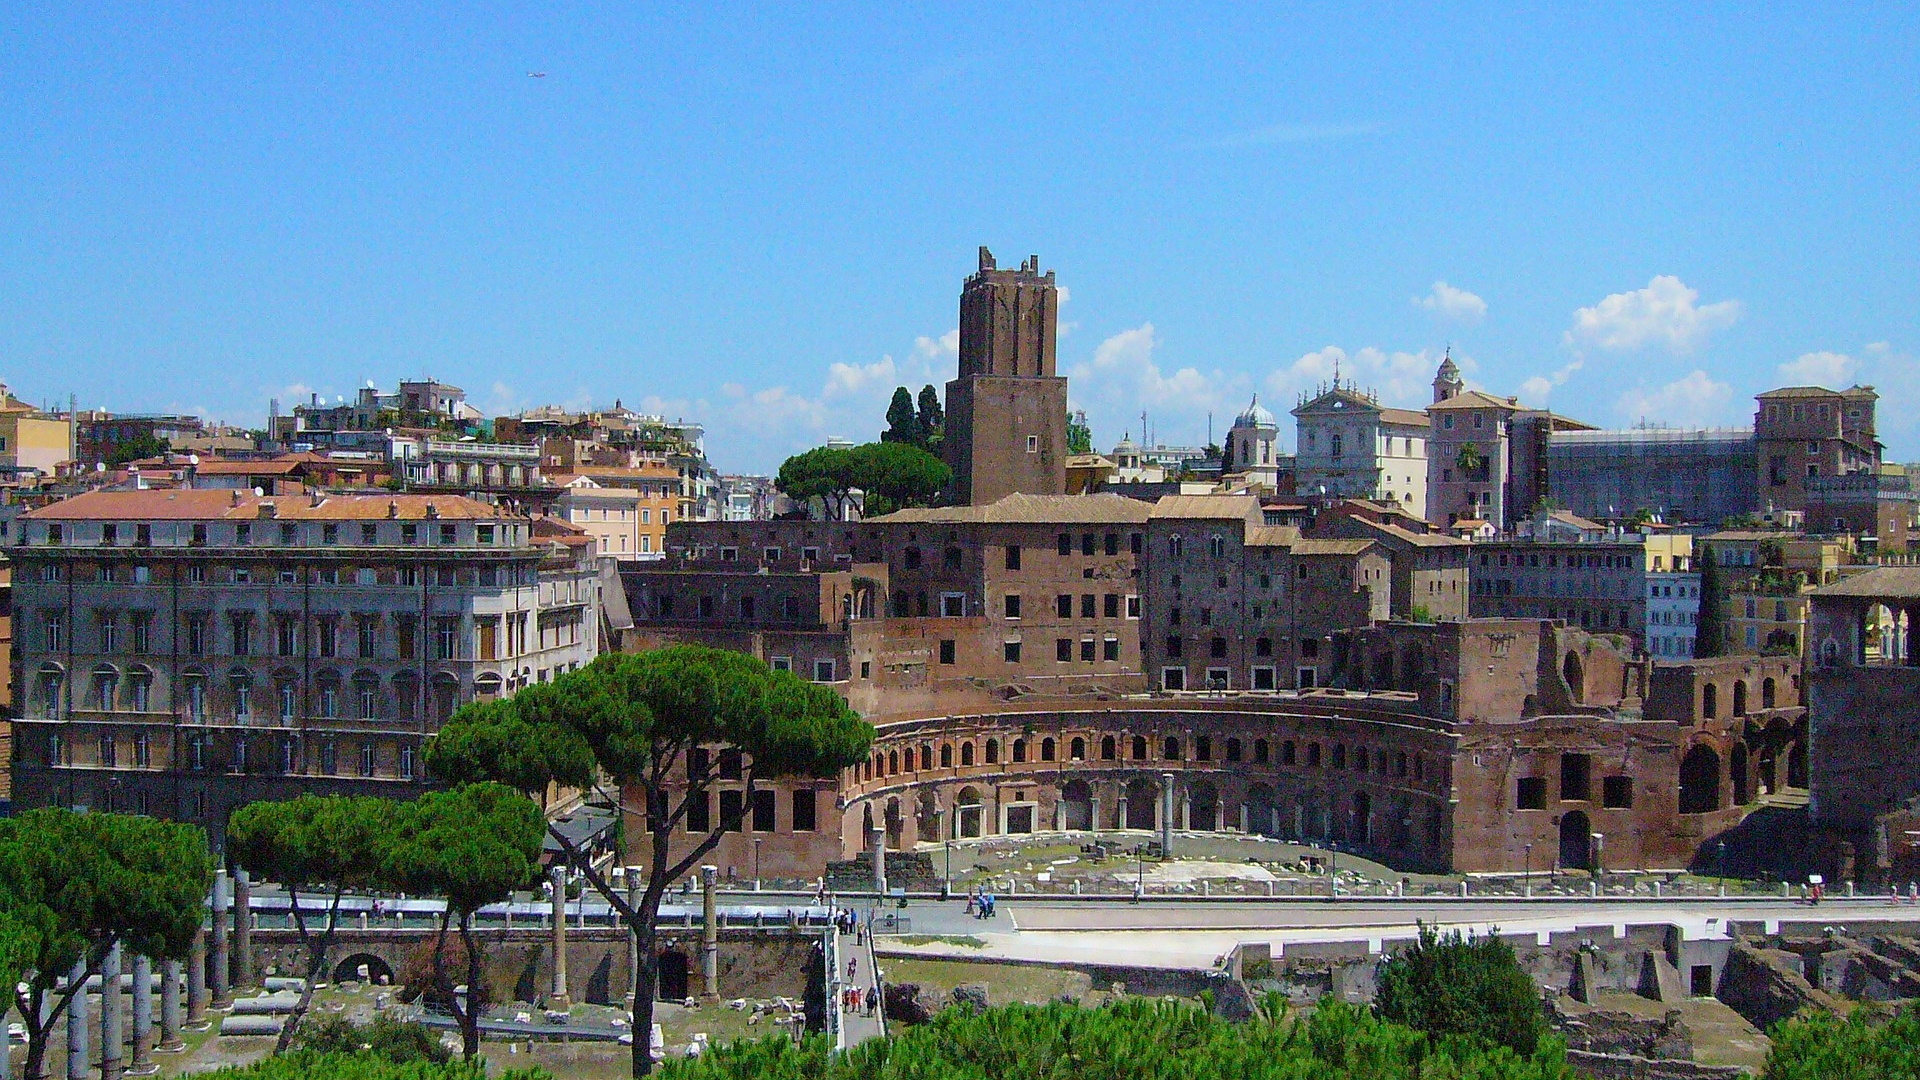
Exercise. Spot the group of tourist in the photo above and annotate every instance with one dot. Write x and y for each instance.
(980, 903)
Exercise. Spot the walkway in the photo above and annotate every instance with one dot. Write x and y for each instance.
(855, 1022)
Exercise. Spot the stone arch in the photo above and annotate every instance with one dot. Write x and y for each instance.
(967, 812)
(1700, 780)
(348, 970)
(1362, 827)
(927, 815)
(1203, 806)
(1076, 801)
(1576, 841)
(895, 823)
(1263, 811)
(1141, 800)
(1575, 673)
(1797, 764)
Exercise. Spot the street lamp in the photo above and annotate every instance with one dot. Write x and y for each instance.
(756, 864)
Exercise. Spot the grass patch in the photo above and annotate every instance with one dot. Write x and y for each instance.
(965, 941)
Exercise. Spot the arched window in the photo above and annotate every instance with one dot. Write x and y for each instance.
(1233, 749)
(1739, 697)
(1020, 750)
(1107, 750)
(946, 755)
(1768, 693)
(1710, 701)
(893, 763)
(1139, 748)
(966, 754)
(926, 756)
(1339, 755)
(1046, 749)
(1077, 749)
(993, 751)
(1172, 750)
(1359, 759)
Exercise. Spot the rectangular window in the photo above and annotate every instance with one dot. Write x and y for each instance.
(196, 634)
(329, 533)
(763, 810)
(1066, 543)
(1173, 678)
(953, 605)
(326, 635)
(287, 637)
(1133, 606)
(946, 651)
(1531, 793)
(1011, 650)
(446, 637)
(780, 663)
(1110, 648)
(447, 534)
(1010, 603)
(803, 811)
(1112, 605)
(369, 635)
(1263, 678)
(1063, 650)
(732, 810)
(1576, 772)
(1063, 606)
(1013, 556)
(1087, 608)
(823, 671)
(1616, 792)
(699, 812)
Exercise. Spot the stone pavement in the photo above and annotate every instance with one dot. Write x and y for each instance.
(859, 1027)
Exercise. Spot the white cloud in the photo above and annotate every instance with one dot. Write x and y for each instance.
(1665, 313)
(1451, 303)
(1829, 369)
(1694, 400)
(1402, 379)
(1534, 390)
(944, 347)
(1124, 377)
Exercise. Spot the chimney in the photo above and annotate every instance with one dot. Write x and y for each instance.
(433, 512)
(393, 509)
(236, 496)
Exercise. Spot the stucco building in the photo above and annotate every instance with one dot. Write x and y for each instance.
(184, 652)
(1349, 445)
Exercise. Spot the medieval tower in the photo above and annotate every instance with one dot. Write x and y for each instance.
(1007, 410)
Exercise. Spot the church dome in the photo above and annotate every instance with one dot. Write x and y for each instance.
(1256, 415)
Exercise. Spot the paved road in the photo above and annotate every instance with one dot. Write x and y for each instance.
(855, 1022)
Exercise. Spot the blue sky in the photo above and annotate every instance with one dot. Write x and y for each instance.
(761, 216)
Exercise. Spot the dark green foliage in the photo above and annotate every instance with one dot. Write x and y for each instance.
(384, 1037)
(1079, 433)
(329, 845)
(1133, 1038)
(1868, 1045)
(138, 448)
(473, 846)
(306, 1065)
(1449, 985)
(1709, 636)
(73, 885)
(892, 474)
(630, 722)
(933, 420)
(903, 420)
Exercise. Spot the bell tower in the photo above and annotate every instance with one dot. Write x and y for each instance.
(1007, 410)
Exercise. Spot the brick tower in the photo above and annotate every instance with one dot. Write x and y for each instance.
(1007, 411)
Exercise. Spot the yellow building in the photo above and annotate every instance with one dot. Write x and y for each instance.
(31, 439)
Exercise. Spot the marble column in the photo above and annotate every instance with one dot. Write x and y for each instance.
(557, 998)
(220, 970)
(197, 979)
(79, 1062)
(709, 936)
(877, 847)
(113, 1017)
(633, 937)
(142, 1014)
(170, 975)
(1166, 815)
(242, 929)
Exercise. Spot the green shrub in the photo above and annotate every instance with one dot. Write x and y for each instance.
(384, 1037)
(1133, 1039)
(1869, 1045)
(307, 1065)
(1470, 987)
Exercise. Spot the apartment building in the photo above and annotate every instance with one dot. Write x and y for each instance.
(1233, 603)
(1639, 584)
(185, 652)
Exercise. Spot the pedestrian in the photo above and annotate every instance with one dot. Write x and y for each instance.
(853, 964)
(973, 895)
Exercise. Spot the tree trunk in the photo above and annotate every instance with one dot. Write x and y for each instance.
(646, 976)
(470, 1016)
